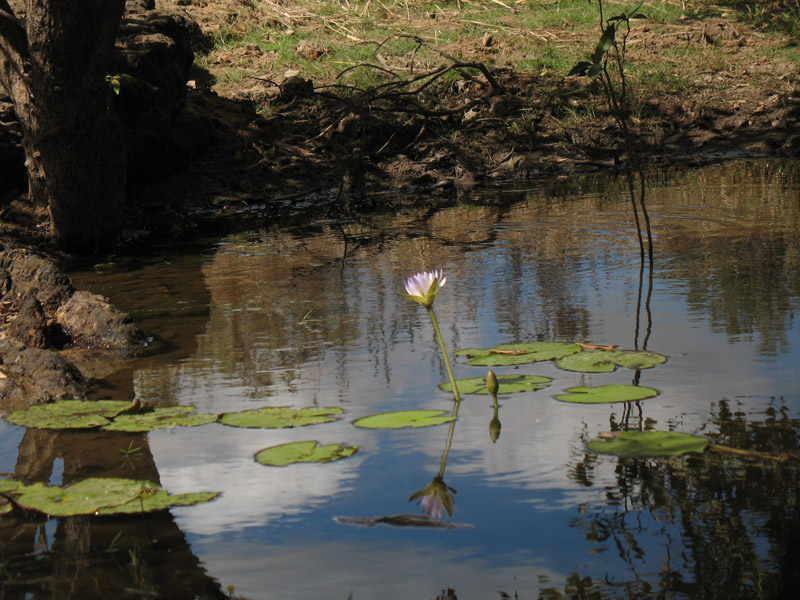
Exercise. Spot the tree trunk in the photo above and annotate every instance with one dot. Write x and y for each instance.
(52, 66)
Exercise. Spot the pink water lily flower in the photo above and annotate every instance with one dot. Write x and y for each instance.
(422, 287)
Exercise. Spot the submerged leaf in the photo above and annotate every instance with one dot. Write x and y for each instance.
(68, 414)
(401, 521)
(607, 361)
(279, 417)
(508, 384)
(648, 443)
(405, 418)
(519, 354)
(160, 418)
(606, 394)
(303, 452)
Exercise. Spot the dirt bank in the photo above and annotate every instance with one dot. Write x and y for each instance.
(294, 138)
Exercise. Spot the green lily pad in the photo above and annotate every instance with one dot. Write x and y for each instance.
(279, 417)
(303, 452)
(8, 485)
(405, 418)
(68, 414)
(99, 495)
(606, 394)
(160, 418)
(607, 361)
(82, 498)
(154, 498)
(648, 443)
(509, 384)
(518, 354)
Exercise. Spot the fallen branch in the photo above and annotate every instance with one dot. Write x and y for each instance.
(401, 94)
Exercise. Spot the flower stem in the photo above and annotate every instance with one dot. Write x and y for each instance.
(449, 438)
(444, 353)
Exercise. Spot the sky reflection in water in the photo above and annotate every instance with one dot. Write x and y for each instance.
(538, 265)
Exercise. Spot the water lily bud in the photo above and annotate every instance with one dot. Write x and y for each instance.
(491, 383)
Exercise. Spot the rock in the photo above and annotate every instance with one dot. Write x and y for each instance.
(32, 275)
(35, 376)
(52, 338)
(30, 324)
(91, 321)
(139, 6)
(309, 50)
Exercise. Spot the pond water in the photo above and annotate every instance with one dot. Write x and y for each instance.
(311, 316)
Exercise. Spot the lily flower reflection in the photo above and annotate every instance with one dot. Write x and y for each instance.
(435, 498)
(422, 287)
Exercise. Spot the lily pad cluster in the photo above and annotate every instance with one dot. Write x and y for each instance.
(112, 415)
(96, 495)
(581, 358)
(586, 359)
(570, 357)
(113, 496)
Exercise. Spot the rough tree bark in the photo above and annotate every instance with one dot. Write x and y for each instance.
(52, 66)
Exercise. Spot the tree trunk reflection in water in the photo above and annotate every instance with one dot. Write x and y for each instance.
(95, 557)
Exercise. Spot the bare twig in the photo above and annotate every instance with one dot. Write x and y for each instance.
(748, 453)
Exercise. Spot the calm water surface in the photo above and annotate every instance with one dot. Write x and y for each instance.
(310, 316)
